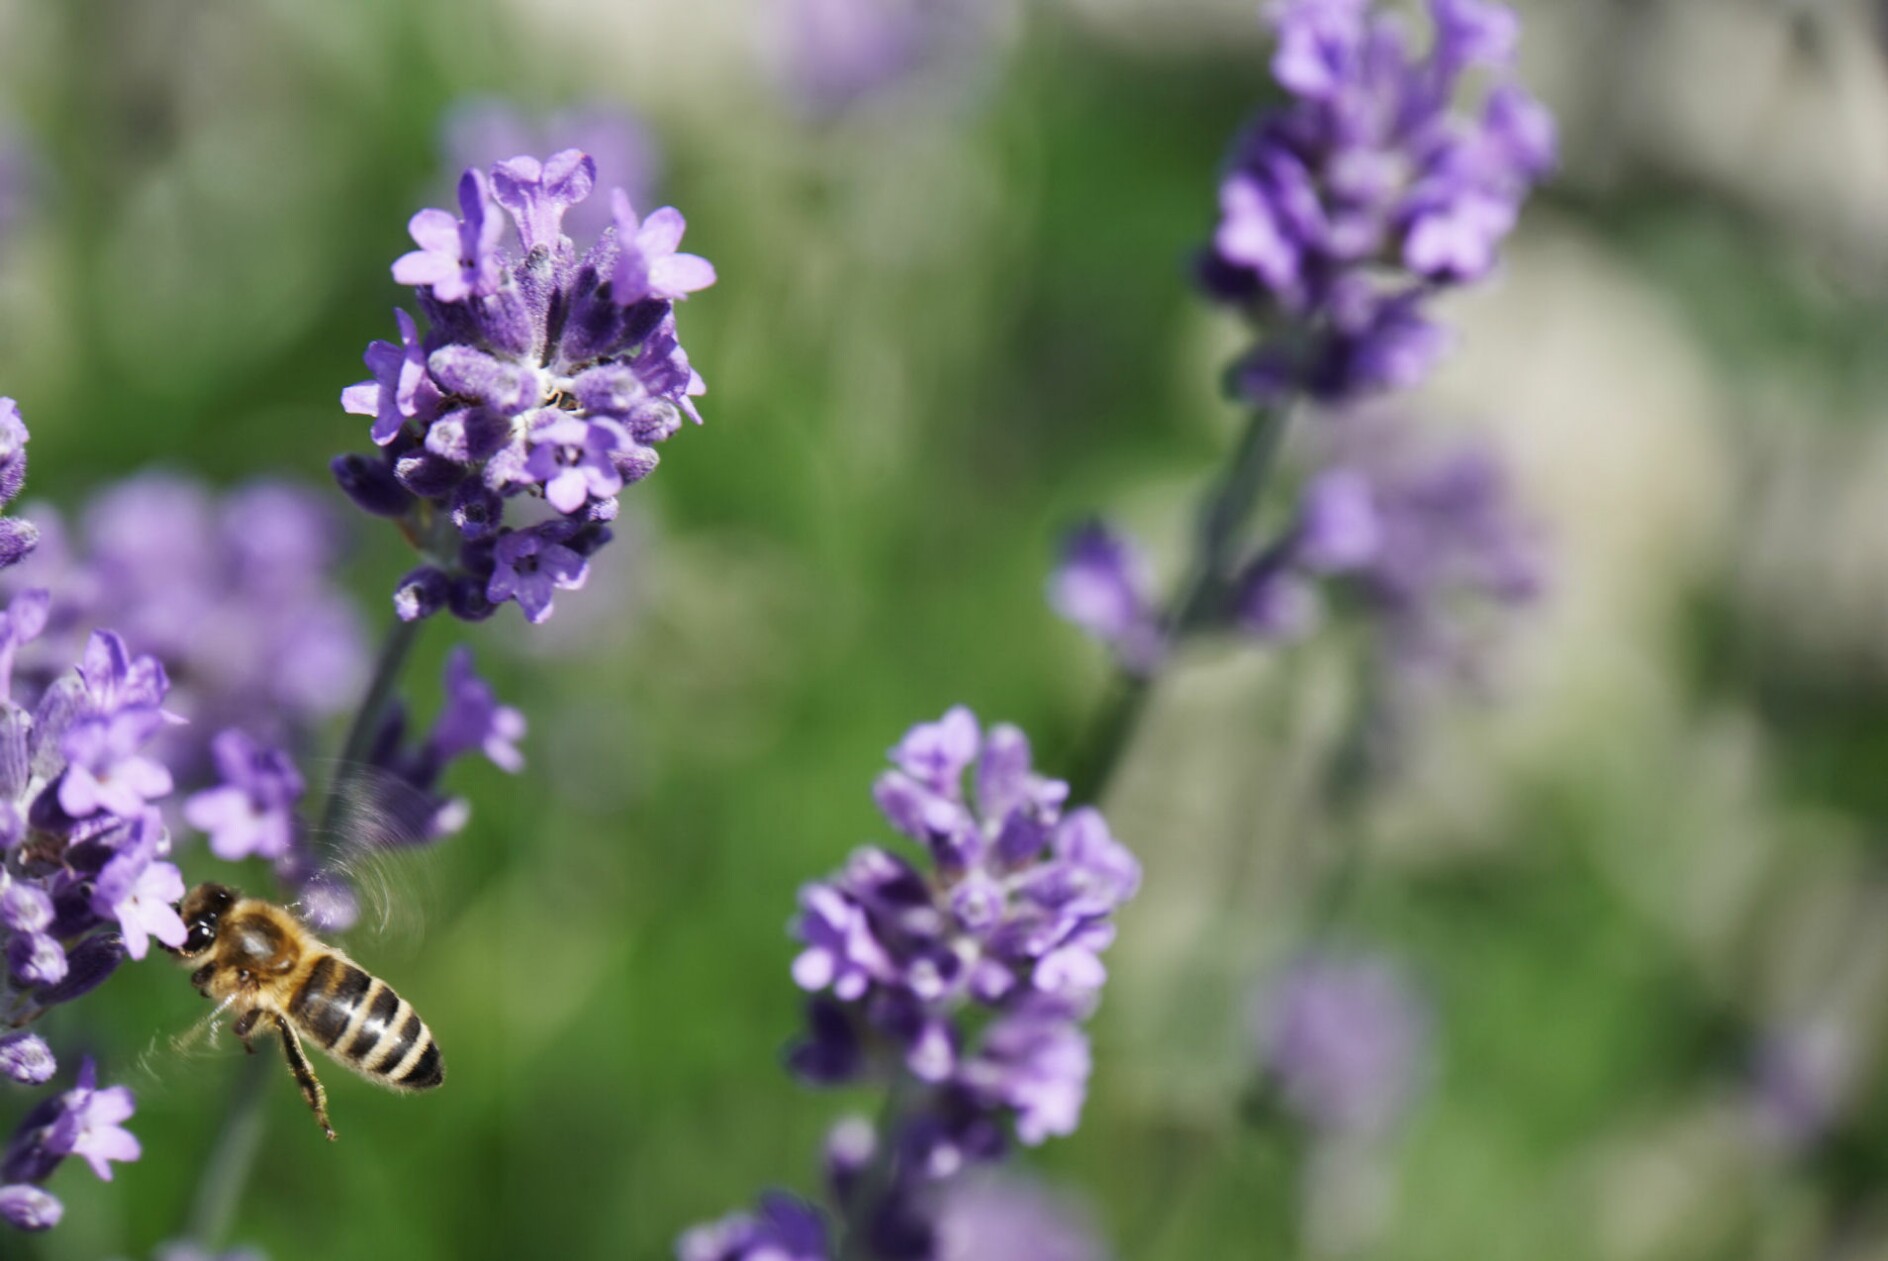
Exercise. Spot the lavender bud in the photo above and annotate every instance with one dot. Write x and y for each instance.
(17, 540)
(371, 485)
(421, 594)
(25, 908)
(35, 960)
(90, 965)
(27, 1059)
(468, 601)
(427, 475)
(27, 1207)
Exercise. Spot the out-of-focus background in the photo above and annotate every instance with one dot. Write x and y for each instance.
(1638, 877)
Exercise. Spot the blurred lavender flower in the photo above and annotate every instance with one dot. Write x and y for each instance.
(252, 810)
(834, 55)
(548, 375)
(784, 1229)
(1379, 182)
(19, 175)
(184, 1250)
(1801, 1081)
(1420, 537)
(483, 130)
(235, 593)
(1103, 587)
(1345, 1041)
(988, 1216)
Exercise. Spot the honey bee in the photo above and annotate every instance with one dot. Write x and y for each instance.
(265, 965)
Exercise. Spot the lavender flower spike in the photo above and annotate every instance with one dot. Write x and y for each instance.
(547, 374)
(1380, 181)
(1008, 923)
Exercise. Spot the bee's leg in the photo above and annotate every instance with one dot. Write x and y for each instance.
(246, 1025)
(305, 1075)
(201, 978)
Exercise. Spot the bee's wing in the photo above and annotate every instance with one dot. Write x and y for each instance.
(369, 856)
(205, 1038)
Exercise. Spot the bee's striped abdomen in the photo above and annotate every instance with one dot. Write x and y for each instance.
(363, 1023)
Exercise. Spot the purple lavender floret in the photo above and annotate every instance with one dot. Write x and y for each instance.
(1007, 921)
(1387, 176)
(1101, 585)
(784, 1229)
(1345, 1042)
(544, 380)
(251, 810)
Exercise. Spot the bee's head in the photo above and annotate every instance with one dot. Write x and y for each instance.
(202, 910)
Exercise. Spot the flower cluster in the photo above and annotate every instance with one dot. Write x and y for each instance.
(1417, 538)
(236, 593)
(547, 376)
(1010, 920)
(963, 987)
(1344, 1041)
(1387, 176)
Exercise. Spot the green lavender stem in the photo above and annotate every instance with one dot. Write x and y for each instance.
(226, 1173)
(876, 1182)
(1224, 515)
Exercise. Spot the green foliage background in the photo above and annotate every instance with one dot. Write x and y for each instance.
(944, 330)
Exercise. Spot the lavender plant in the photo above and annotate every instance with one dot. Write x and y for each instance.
(959, 988)
(1390, 173)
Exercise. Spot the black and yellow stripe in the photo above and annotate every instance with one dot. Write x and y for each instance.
(358, 1019)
